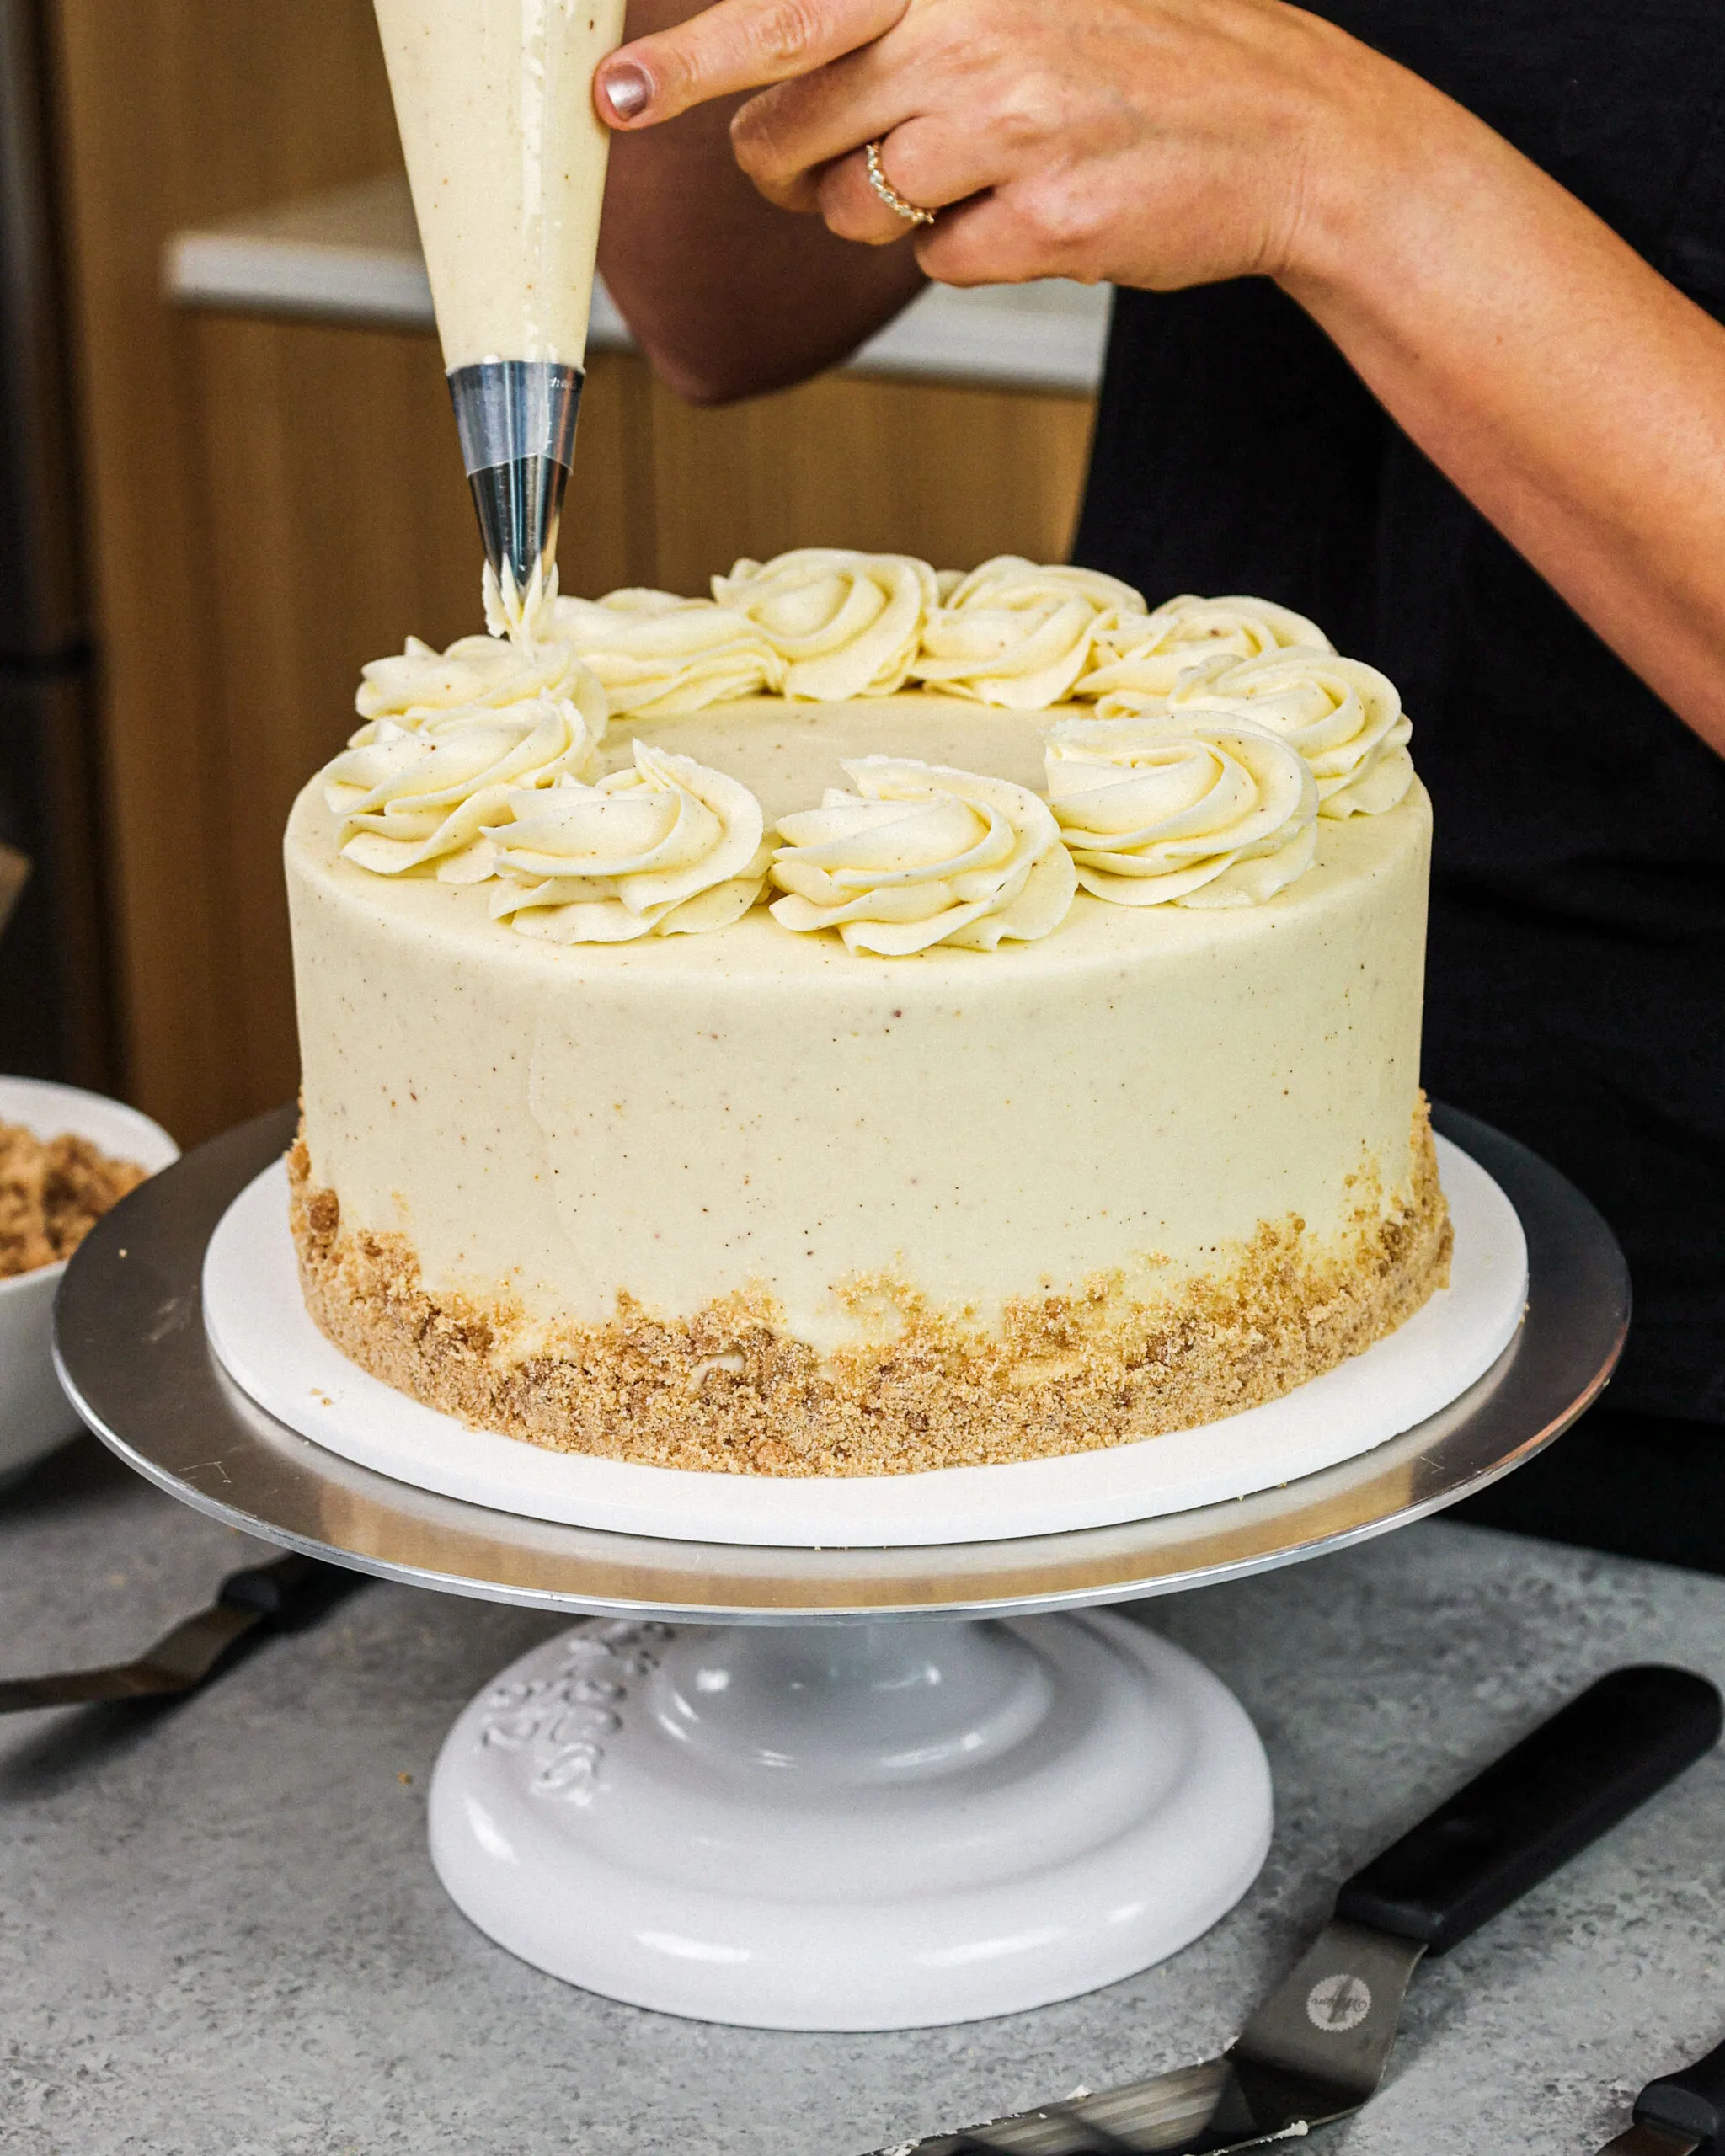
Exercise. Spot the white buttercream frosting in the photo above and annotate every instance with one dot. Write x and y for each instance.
(1016, 634)
(1192, 811)
(1146, 653)
(409, 795)
(489, 671)
(665, 848)
(919, 855)
(657, 655)
(522, 658)
(846, 624)
(1343, 716)
(525, 616)
(1221, 727)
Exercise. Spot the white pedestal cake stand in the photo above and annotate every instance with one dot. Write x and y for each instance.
(777, 1785)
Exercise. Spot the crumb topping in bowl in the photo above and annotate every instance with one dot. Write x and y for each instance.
(52, 1193)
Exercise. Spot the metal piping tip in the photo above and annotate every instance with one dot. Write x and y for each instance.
(517, 419)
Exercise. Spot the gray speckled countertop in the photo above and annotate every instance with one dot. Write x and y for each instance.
(221, 1934)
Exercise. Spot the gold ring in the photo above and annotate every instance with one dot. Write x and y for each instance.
(911, 212)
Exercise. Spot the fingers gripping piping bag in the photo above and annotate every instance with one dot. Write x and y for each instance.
(506, 158)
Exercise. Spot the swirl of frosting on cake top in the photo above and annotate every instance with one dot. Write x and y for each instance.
(410, 796)
(656, 655)
(666, 847)
(920, 855)
(475, 671)
(1343, 716)
(846, 624)
(1192, 811)
(1019, 635)
(1146, 653)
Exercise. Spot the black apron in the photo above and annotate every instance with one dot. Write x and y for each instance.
(1576, 993)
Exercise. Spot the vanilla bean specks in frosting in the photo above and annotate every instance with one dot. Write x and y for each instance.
(497, 672)
(1016, 634)
(663, 848)
(1193, 811)
(411, 797)
(846, 624)
(1191, 752)
(1147, 653)
(656, 655)
(920, 855)
(1343, 716)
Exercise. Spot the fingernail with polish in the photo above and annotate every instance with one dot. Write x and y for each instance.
(627, 90)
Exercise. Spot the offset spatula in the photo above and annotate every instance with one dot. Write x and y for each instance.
(1317, 2047)
(1681, 2114)
(286, 1596)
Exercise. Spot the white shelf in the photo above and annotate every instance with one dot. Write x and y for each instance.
(353, 256)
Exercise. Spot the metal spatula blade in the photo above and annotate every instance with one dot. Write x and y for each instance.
(284, 1596)
(1314, 2052)
(1681, 2114)
(1651, 2141)
(1317, 2049)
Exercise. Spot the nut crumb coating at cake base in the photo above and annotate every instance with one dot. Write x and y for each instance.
(728, 1389)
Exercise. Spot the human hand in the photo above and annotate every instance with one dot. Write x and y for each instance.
(1158, 143)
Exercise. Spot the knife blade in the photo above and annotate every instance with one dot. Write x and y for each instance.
(284, 1596)
(1317, 2047)
(1681, 2114)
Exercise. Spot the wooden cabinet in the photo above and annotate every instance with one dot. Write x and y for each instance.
(270, 503)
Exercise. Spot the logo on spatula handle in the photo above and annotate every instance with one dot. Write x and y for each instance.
(1336, 2004)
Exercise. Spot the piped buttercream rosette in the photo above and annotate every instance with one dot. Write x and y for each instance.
(1016, 634)
(1146, 654)
(420, 682)
(665, 848)
(920, 855)
(844, 624)
(1198, 811)
(1343, 716)
(410, 796)
(522, 613)
(657, 655)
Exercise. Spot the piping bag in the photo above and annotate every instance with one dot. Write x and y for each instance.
(506, 159)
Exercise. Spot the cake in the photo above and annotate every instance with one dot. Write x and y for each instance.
(867, 1021)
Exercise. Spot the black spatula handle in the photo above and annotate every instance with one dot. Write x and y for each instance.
(1558, 1789)
(1691, 2102)
(289, 1593)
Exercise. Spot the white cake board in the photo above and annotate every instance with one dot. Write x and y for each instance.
(260, 1330)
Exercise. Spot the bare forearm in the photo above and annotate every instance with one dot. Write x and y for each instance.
(727, 295)
(1576, 397)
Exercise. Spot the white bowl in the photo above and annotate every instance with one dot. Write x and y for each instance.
(34, 1414)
